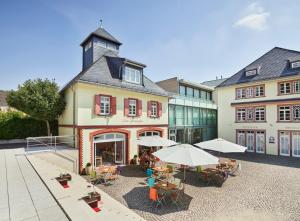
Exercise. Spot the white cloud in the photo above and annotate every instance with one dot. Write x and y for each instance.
(255, 18)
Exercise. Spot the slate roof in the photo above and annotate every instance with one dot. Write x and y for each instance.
(3, 95)
(271, 65)
(214, 83)
(106, 71)
(102, 33)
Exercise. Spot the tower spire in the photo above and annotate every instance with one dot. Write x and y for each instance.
(101, 26)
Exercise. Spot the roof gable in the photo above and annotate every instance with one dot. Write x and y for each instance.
(102, 33)
(273, 64)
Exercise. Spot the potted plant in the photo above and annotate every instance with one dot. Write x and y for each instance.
(88, 168)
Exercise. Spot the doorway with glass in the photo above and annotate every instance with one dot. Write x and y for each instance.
(109, 149)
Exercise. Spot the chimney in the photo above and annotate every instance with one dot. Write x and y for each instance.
(216, 77)
(221, 77)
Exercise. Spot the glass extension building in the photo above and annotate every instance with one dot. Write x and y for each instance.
(192, 112)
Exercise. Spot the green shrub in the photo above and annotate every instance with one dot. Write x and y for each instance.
(16, 125)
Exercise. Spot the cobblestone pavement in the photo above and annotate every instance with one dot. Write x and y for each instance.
(268, 188)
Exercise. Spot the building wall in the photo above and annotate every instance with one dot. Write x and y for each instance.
(86, 115)
(87, 142)
(87, 122)
(226, 113)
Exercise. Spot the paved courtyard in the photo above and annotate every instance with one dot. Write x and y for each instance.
(268, 188)
(23, 196)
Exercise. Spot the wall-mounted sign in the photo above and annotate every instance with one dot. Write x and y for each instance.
(271, 139)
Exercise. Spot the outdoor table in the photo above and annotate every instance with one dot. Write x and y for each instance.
(165, 185)
(161, 170)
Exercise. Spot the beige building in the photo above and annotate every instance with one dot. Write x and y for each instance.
(259, 107)
(111, 103)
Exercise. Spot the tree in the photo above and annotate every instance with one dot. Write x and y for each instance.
(38, 98)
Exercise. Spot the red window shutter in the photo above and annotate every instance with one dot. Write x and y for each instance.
(159, 106)
(126, 107)
(149, 108)
(139, 108)
(113, 105)
(97, 104)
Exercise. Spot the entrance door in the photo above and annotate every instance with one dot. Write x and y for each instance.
(250, 141)
(260, 142)
(284, 144)
(109, 148)
(296, 144)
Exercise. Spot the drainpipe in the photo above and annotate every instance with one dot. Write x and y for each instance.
(74, 93)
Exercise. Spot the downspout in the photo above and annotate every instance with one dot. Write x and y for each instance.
(74, 131)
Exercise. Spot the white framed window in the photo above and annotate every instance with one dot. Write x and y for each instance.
(105, 105)
(150, 133)
(250, 113)
(259, 91)
(285, 87)
(241, 114)
(132, 107)
(284, 143)
(239, 93)
(88, 46)
(295, 64)
(250, 141)
(296, 87)
(251, 72)
(249, 92)
(154, 109)
(260, 142)
(296, 112)
(132, 75)
(284, 113)
(296, 143)
(260, 114)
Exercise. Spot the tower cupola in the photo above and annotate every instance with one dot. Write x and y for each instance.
(96, 44)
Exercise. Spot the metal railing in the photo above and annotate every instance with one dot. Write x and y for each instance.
(56, 144)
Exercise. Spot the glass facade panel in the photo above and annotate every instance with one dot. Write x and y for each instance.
(172, 116)
(179, 116)
(197, 93)
(192, 124)
(196, 118)
(182, 90)
(189, 92)
(190, 116)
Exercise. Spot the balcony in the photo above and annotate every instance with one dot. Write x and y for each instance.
(192, 102)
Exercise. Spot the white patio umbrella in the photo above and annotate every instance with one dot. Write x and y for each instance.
(186, 154)
(155, 141)
(221, 145)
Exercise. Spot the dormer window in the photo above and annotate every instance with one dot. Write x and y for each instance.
(295, 64)
(251, 72)
(132, 75)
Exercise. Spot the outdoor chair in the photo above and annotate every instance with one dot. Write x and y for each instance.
(156, 197)
(235, 170)
(151, 182)
(177, 195)
(92, 177)
(149, 172)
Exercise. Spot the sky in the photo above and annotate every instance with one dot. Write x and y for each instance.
(191, 39)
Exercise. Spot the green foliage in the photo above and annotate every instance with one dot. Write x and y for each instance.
(38, 98)
(16, 125)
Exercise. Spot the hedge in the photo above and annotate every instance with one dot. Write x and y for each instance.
(16, 125)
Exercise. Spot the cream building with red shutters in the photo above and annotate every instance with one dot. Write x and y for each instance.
(111, 103)
(259, 107)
